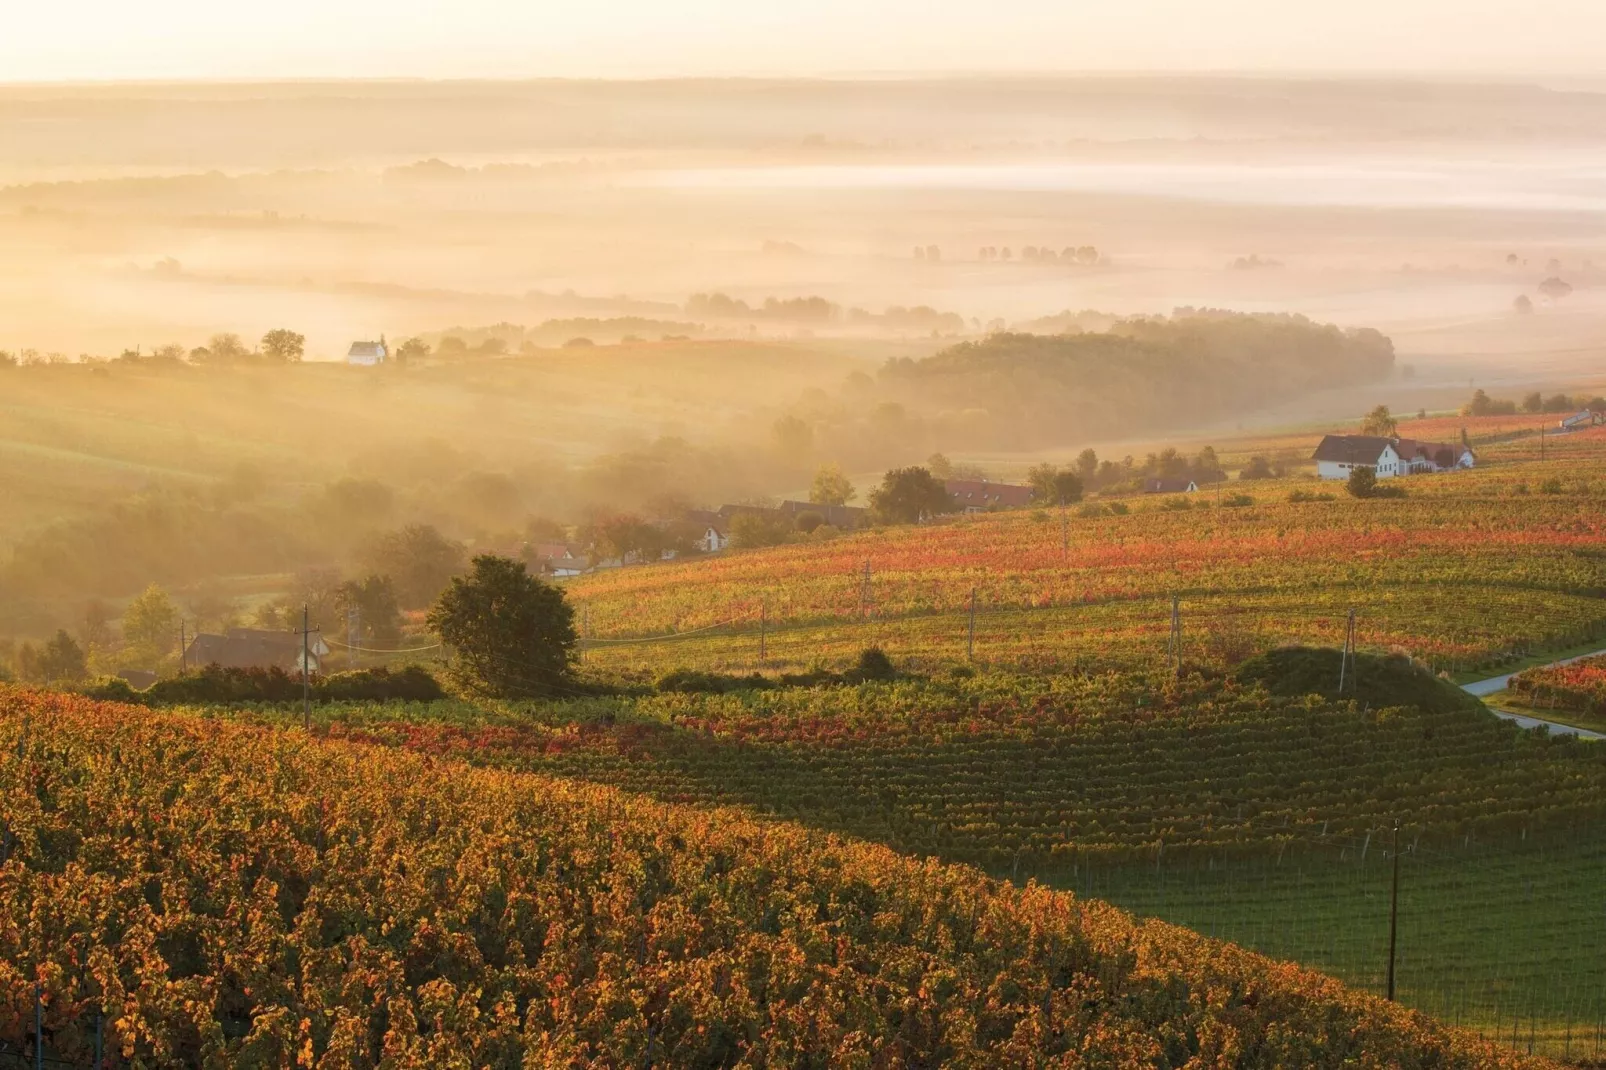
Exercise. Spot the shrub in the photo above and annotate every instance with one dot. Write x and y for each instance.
(1362, 483)
(410, 683)
(1550, 486)
(873, 664)
(1376, 680)
(1176, 505)
(1120, 508)
(1310, 496)
(1237, 501)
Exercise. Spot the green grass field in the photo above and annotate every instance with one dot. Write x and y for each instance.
(1508, 940)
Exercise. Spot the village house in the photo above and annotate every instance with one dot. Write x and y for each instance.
(983, 495)
(1339, 455)
(256, 648)
(368, 354)
(1161, 485)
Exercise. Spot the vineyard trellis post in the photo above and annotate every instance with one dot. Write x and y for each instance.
(1394, 907)
(970, 639)
(1176, 635)
(763, 625)
(306, 669)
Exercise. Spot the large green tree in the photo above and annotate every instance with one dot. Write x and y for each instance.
(511, 634)
(150, 621)
(1054, 486)
(283, 345)
(909, 495)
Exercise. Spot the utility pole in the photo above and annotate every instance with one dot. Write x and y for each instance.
(1345, 657)
(183, 649)
(1176, 634)
(353, 631)
(763, 625)
(1394, 908)
(970, 641)
(1541, 442)
(864, 591)
(306, 676)
(585, 629)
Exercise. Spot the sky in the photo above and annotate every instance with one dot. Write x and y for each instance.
(99, 40)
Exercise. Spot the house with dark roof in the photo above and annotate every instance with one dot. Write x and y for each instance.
(1339, 455)
(368, 354)
(983, 495)
(255, 648)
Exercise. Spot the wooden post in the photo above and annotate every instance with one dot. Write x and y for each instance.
(763, 624)
(1394, 908)
(306, 676)
(970, 641)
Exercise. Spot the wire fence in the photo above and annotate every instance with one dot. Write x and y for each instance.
(1508, 940)
(1438, 628)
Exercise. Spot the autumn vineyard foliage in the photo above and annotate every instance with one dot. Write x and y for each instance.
(235, 895)
(1469, 569)
(1030, 775)
(1578, 686)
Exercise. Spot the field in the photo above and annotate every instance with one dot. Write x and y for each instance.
(1576, 691)
(1254, 818)
(1470, 570)
(224, 894)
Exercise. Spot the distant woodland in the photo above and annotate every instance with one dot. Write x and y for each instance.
(1025, 391)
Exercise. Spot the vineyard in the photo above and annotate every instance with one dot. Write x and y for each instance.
(218, 893)
(1574, 687)
(1470, 571)
(1256, 818)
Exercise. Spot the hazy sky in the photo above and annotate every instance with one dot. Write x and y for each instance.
(72, 40)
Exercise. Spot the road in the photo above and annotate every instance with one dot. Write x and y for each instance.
(1482, 688)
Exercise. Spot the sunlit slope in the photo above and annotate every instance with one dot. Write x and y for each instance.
(1467, 567)
(229, 893)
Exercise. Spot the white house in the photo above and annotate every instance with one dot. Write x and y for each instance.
(716, 537)
(1339, 455)
(367, 354)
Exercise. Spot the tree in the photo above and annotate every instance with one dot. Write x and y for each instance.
(150, 621)
(751, 530)
(412, 349)
(373, 600)
(909, 495)
(831, 486)
(283, 345)
(1379, 422)
(1555, 288)
(1257, 468)
(419, 560)
(940, 466)
(61, 660)
(511, 635)
(1534, 402)
(1054, 486)
(793, 437)
(222, 349)
(96, 630)
(1523, 305)
(1362, 482)
(1087, 466)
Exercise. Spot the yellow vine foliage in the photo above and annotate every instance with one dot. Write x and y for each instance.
(235, 896)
